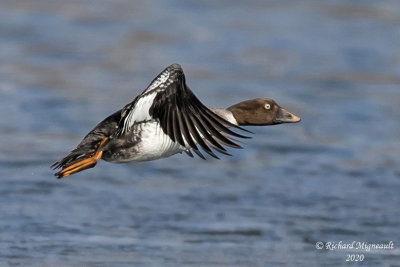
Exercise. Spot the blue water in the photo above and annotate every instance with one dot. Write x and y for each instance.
(65, 65)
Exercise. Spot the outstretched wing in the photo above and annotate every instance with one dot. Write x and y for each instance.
(181, 114)
(138, 109)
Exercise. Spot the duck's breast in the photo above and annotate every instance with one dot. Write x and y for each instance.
(145, 141)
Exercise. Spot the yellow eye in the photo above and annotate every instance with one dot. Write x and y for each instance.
(267, 106)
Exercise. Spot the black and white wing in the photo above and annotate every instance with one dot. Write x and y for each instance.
(181, 114)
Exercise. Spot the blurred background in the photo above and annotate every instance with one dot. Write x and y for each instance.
(66, 65)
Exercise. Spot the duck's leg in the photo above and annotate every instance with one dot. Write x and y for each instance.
(89, 161)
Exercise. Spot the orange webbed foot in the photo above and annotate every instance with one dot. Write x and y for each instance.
(86, 162)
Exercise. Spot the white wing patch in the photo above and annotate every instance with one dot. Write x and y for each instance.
(140, 112)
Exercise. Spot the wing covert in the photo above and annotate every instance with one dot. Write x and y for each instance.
(186, 120)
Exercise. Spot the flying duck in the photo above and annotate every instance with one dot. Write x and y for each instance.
(166, 119)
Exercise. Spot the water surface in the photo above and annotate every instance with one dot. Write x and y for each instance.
(65, 65)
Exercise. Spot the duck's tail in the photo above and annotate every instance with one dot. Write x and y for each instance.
(90, 149)
(72, 164)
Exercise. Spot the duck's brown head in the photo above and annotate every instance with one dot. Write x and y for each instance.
(261, 111)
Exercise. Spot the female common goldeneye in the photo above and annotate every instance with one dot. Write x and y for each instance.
(167, 118)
